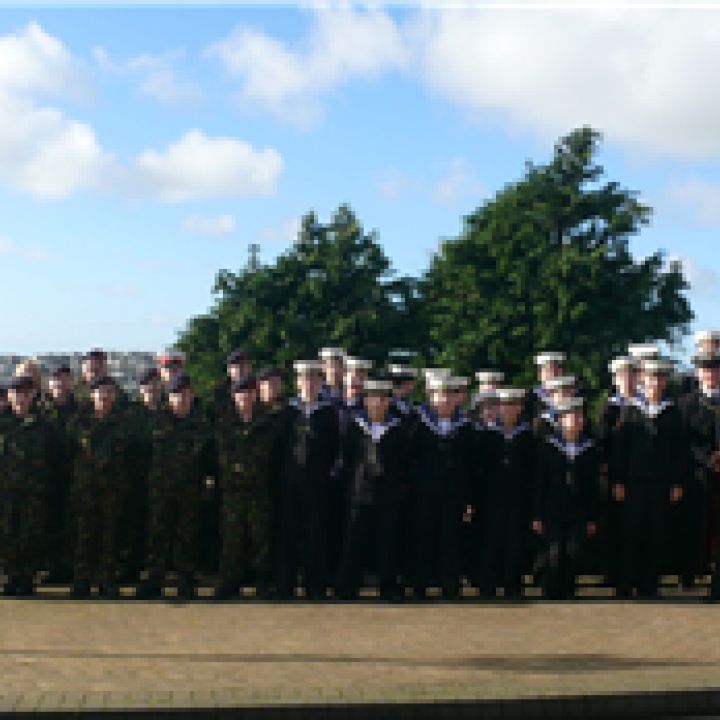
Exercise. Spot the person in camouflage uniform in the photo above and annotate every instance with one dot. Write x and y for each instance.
(245, 442)
(59, 409)
(93, 367)
(23, 482)
(5, 410)
(143, 414)
(181, 466)
(99, 490)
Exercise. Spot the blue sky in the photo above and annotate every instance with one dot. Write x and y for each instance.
(142, 149)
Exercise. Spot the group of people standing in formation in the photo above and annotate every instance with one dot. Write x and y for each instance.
(351, 478)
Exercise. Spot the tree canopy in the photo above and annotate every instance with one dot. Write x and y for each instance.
(545, 264)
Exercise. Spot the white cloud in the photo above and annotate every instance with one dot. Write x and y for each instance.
(219, 225)
(394, 183)
(6, 246)
(283, 232)
(37, 254)
(198, 166)
(459, 182)
(703, 280)
(43, 152)
(155, 75)
(638, 75)
(699, 198)
(290, 82)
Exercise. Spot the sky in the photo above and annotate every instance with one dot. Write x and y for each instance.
(144, 148)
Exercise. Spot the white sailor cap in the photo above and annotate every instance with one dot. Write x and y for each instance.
(484, 397)
(328, 353)
(460, 381)
(489, 376)
(356, 363)
(546, 358)
(571, 405)
(436, 372)
(442, 382)
(622, 362)
(706, 336)
(656, 366)
(408, 370)
(308, 367)
(510, 395)
(378, 387)
(640, 351)
(566, 381)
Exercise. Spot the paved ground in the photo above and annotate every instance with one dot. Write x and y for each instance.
(59, 653)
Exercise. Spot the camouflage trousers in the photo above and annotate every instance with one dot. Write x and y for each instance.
(246, 535)
(22, 526)
(96, 508)
(173, 524)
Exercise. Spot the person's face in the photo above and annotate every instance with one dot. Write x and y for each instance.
(404, 389)
(708, 346)
(572, 424)
(560, 394)
(489, 412)
(444, 402)
(244, 400)
(181, 401)
(333, 372)
(20, 401)
(269, 389)
(626, 380)
(93, 368)
(150, 393)
(509, 413)
(237, 371)
(550, 371)
(654, 386)
(487, 387)
(709, 377)
(309, 386)
(60, 386)
(168, 373)
(377, 405)
(103, 398)
(354, 383)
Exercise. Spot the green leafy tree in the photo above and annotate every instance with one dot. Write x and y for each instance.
(546, 265)
(333, 286)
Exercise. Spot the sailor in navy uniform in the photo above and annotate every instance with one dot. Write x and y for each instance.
(375, 457)
(652, 453)
(404, 379)
(624, 370)
(557, 390)
(549, 365)
(566, 498)
(707, 342)
(309, 450)
(507, 462)
(700, 410)
(333, 359)
(443, 461)
(482, 405)
(355, 373)
(641, 352)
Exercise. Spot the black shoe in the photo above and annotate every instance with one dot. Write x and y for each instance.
(148, 591)
(80, 591)
(186, 588)
(109, 591)
(24, 587)
(10, 588)
(226, 591)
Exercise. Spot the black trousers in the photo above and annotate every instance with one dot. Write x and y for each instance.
(371, 542)
(564, 542)
(301, 543)
(644, 524)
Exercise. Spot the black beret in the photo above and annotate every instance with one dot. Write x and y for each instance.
(244, 383)
(269, 372)
(238, 357)
(63, 369)
(95, 353)
(179, 383)
(103, 380)
(22, 382)
(149, 376)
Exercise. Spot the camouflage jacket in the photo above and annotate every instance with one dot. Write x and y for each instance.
(23, 454)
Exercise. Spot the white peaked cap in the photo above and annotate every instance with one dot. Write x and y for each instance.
(489, 376)
(546, 358)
